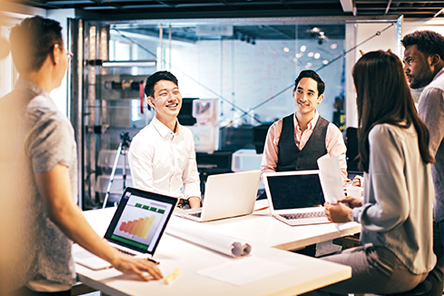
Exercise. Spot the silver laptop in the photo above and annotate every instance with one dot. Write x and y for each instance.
(136, 228)
(295, 197)
(226, 195)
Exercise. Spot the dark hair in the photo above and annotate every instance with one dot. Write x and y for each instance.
(313, 75)
(32, 40)
(383, 96)
(156, 77)
(428, 42)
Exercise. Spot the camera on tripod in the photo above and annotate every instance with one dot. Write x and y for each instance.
(125, 139)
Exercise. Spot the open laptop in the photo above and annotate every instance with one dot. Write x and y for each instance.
(226, 195)
(136, 228)
(295, 197)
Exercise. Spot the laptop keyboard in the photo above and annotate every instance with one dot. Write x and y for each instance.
(196, 214)
(126, 252)
(303, 215)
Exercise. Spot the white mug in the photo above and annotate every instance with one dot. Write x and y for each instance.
(354, 191)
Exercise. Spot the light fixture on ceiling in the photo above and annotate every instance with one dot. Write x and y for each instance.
(318, 34)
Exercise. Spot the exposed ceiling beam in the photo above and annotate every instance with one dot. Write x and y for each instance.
(388, 7)
(347, 5)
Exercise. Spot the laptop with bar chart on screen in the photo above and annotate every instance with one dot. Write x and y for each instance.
(295, 197)
(136, 227)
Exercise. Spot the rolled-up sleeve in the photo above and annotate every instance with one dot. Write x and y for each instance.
(270, 154)
(334, 142)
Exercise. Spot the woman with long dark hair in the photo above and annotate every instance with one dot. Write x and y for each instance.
(396, 210)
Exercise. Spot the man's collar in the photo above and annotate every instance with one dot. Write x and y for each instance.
(26, 84)
(163, 129)
(310, 124)
(440, 72)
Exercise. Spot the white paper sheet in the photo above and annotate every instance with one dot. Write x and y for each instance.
(199, 234)
(331, 180)
(246, 270)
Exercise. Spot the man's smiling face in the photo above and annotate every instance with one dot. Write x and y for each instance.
(167, 100)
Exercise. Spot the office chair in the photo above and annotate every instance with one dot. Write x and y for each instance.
(351, 142)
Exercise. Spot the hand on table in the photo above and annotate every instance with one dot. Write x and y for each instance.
(338, 213)
(139, 266)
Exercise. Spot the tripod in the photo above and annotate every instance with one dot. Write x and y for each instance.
(122, 150)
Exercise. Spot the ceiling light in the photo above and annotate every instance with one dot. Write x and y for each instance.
(333, 46)
(286, 49)
(303, 48)
(310, 54)
(317, 55)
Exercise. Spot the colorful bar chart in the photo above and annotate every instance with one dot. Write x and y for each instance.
(140, 227)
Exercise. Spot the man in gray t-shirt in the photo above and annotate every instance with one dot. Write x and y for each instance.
(38, 154)
(424, 67)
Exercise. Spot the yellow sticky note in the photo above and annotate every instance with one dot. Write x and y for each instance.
(172, 276)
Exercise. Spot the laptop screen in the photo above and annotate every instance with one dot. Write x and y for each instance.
(293, 191)
(140, 220)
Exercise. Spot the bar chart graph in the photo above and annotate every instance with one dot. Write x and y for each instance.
(139, 227)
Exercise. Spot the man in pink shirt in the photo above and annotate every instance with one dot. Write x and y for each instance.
(296, 141)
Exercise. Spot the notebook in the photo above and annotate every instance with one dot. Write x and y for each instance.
(295, 197)
(226, 195)
(136, 227)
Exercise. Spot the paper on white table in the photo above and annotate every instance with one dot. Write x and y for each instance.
(200, 234)
(331, 180)
(246, 270)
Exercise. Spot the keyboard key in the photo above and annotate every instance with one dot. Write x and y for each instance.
(303, 215)
(126, 252)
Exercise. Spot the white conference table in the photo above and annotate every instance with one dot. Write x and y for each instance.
(306, 274)
(263, 229)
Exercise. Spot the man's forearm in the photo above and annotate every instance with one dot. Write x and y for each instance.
(194, 201)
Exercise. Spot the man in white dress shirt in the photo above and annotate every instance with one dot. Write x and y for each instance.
(161, 156)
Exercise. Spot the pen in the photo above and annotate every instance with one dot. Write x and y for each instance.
(153, 261)
(172, 276)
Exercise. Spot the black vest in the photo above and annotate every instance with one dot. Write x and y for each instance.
(290, 158)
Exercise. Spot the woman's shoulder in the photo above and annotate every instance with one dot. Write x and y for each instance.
(386, 130)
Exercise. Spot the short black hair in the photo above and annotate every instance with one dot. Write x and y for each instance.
(156, 77)
(313, 75)
(32, 40)
(428, 42)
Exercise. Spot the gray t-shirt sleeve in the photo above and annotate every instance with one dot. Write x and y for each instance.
(49, 142)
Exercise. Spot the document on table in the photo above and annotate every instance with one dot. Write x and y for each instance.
(243, 271)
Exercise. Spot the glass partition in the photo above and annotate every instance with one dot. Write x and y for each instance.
(245, 67)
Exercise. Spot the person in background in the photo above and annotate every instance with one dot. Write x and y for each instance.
(41, 160)
(296, 141)
(424, 67)
(161, 156)
(396, 211)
